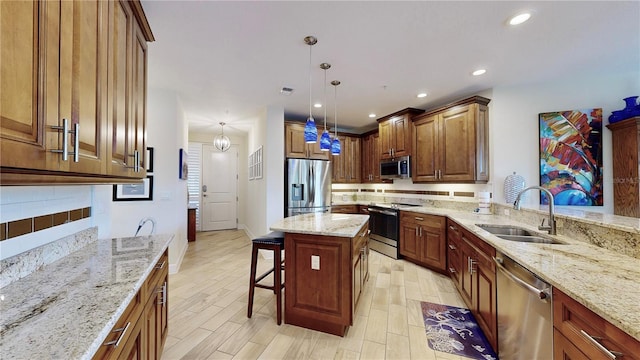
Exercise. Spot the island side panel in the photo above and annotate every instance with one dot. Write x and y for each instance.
(318, 299)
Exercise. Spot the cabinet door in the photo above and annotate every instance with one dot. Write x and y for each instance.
(357, 280)
(119, 87)
(366, 173)
(457, 146)
(352, 159)
(83, 75)
(138, 100)
(400, 136)
(339, 163)
(409, 240)
(375, 158)
(433, 243)
(484, 296)
(29, 84)
(385, 131)
(563, 349)
(151, 318)
(425, 143)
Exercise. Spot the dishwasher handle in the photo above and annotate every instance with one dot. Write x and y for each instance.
(542, 294)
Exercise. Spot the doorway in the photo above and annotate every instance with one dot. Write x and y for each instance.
(219, 188)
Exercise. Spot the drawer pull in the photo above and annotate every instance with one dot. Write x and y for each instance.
(594, 341)
(122, 331)
(453, 228)
(452, 247)
(160, 266)
(452, 270)
(419, 218)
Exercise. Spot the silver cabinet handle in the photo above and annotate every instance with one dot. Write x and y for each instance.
(76, 142)
(594, 340)
(453, 228)
(419, 218)
(136, 161)
(420, 231)
(122, 331)
(65, 140)
(163, 290)
(452, 270)
(452, 247)
(160, 266)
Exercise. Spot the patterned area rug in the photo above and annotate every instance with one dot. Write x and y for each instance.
(454, 330)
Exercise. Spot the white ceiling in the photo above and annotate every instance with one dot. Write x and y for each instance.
(228, 60)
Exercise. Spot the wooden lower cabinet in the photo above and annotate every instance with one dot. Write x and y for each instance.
(423, 239)
(324, 298)
(579, 333)
(473, 271)
(141, 331)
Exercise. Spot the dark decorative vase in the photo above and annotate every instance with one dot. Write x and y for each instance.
(631, 109)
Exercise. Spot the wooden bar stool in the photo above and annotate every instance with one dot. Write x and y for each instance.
(276, 244)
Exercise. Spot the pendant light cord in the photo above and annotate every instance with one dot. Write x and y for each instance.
(310, 46)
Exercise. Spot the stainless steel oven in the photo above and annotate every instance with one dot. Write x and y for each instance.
(384, 223)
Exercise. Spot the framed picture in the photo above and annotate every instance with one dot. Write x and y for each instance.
(149, 159)
(134, 192)
(183, 172)
(571, 157)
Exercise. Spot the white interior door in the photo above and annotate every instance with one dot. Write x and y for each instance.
(219, 188)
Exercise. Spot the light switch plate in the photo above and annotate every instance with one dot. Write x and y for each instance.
(315, 262)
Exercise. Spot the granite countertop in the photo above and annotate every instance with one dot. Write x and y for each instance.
(327, 224)
(66, 309)
(602, 280)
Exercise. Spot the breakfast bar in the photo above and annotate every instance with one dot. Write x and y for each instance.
(326, 265)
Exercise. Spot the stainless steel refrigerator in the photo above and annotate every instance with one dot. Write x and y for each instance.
(308, 186)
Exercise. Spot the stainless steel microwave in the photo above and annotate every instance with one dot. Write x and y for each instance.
(398, 168)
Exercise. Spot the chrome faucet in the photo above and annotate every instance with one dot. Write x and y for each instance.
(551, 228)
(144, 221)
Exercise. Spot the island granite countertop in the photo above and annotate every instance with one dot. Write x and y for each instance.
(327, 224)
(66, 309)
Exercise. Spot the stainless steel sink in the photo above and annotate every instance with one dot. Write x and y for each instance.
(505, 230)
(514, 233)
(529, 238)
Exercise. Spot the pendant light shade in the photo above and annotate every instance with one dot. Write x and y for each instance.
(325, 139)
(222, 142)
(335, 145)
(310, 130)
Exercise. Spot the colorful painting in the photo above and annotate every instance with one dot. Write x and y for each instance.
(571, 157)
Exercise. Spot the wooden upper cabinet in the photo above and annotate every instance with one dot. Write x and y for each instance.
(395, 133)
(29, 84)
(451, 143)
(83, 75)
(72, 61)
(296, 147)
(346, 167)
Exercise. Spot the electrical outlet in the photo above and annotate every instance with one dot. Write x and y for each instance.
(315, 262)
(506, 212)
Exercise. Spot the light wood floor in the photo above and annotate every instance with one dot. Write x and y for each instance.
(208, 310)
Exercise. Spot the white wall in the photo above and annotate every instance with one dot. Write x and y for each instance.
(265, 196)
(166, 133)
(514, 124)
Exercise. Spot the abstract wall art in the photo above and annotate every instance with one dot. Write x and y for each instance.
(571, 157)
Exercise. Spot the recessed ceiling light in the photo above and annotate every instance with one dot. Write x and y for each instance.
(372, 115)
(421, 95)
(519, 19)
(317, 105)
(478, 72)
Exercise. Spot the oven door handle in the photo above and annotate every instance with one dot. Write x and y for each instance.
(384, 212)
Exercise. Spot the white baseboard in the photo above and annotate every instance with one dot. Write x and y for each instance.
(174, 268)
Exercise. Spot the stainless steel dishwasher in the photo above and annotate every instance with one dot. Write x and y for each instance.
(525, 327)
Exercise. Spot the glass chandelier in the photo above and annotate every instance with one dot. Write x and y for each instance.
(325, 139)
(222, 142)
(335, 145)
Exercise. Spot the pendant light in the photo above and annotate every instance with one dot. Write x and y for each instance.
(325, 139)
(310, 130)
(335, 145)
(222, 142)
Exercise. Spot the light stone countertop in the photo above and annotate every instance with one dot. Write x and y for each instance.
(327, 224)
(66, 309)
(602, 280)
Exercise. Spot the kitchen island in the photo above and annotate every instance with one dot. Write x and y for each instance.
(326, 265)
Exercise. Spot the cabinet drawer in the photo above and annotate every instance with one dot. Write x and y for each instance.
(426, 221)
(585, 329)
(112, 346)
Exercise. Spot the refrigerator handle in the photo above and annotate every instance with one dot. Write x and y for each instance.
(312, 186)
